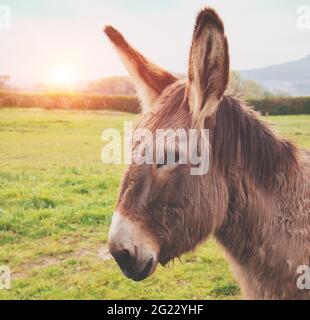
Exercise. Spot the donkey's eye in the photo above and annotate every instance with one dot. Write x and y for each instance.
(169, 161)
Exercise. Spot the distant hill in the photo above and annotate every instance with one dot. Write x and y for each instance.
(291, 78)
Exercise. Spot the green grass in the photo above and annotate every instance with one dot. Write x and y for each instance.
(56, 200)
(295, 128)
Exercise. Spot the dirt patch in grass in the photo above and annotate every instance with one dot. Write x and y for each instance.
(101, 253)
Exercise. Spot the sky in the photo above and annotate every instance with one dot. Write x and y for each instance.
(47, 37)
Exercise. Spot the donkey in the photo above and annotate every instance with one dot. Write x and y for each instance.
(254, 199)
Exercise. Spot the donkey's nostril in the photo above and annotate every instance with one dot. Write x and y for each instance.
(123, 258)
(145, 271)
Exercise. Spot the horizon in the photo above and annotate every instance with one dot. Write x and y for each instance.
(61, 42)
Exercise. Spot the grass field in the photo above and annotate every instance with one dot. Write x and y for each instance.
(56, 201)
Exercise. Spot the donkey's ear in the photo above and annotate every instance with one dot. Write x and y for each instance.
(208, 65)
(150, 80)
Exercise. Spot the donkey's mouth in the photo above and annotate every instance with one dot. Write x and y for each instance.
(133, 267)
(139, 274)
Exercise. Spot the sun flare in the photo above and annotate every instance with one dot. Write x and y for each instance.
(63, 76)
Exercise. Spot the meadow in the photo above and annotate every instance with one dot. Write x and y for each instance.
(56, 202)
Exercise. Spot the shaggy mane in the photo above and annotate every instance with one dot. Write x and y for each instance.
(240, 138)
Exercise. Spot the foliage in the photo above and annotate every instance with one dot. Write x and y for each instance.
(76, 101)
(282, 106)
(246, 88)
(112, 86)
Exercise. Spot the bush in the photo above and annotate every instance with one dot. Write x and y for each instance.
(282, 106)
(69, 101)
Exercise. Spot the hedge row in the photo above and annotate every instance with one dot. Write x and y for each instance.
(282, 106)
(272, 106)
(69, 101)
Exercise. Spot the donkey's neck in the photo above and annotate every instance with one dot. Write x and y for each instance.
(257, 166)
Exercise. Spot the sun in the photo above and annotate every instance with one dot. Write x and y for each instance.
(63, 76)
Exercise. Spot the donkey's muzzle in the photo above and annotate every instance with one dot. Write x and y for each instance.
(131, 267)
(132, 248)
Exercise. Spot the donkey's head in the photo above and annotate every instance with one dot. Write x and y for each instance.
(162, 210)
